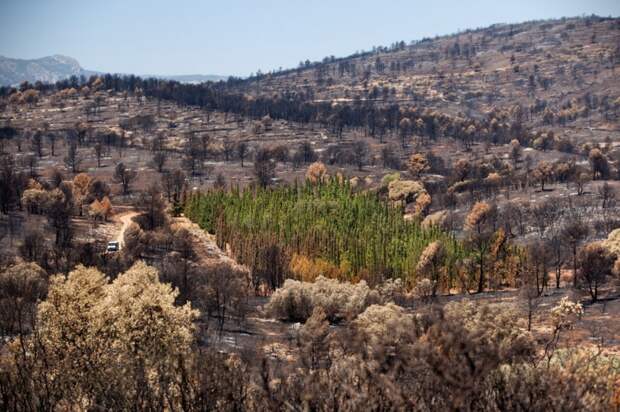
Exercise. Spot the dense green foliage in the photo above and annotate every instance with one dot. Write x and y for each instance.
(357, 231)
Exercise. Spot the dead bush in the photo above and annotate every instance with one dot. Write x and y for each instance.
(296, 300)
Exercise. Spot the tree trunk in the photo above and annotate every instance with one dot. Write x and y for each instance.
(529, 314)
(575, 265)
(481, 279)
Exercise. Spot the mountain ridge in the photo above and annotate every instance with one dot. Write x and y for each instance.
(50, 69)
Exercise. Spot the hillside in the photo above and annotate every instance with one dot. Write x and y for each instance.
(558, 71)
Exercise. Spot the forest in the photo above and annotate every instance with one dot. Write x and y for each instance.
(355, 233)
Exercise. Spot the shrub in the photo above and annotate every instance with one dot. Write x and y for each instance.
(382, 326)
(424, 289)
(296, 300)
(392, 290)
(404, 190)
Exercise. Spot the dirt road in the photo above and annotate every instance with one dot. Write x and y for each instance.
(125, 219)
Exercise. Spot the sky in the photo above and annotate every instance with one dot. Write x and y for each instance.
(238, 37)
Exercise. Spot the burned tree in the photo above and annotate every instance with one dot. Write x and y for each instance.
(124, 177)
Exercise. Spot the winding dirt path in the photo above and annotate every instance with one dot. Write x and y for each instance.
(125, 219)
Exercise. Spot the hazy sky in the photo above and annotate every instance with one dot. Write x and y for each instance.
(237, 37)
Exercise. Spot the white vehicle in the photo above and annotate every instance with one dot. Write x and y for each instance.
(113, 246)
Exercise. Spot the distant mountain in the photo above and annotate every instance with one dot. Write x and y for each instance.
(53, 68)
(190, 78)
(45, 69)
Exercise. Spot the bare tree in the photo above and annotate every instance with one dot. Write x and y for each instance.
(389, 157)
(360, 153)
(228, 148)
(607, 195)
(98, 149)
(599, 163)
(544, 215)
(557, 254)
(242, 151)
(529, 292)
(124, 176)
(405, 128)
(159, 160)
(51, 138)
(152, 205)
(73, 159)
(264, 167)
(33, 246)
(595, 264)
(574, 232)
(305, 153)
(174, 185)
(31, 162)
(36, 143)
(220, 181)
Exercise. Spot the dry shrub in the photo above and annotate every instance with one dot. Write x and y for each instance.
(316, 173)
(354, 182)
(461, 348)
(296, 300)
(465, 357)
(404, 190)
(133, 240)
(478, 214)
(312, 339)
(424, 289)
(384, 326)
(422, 203)
(392, 290)
(431, 262)
(435, 219)
(578, 380)
(613, 242)
(418, 163)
